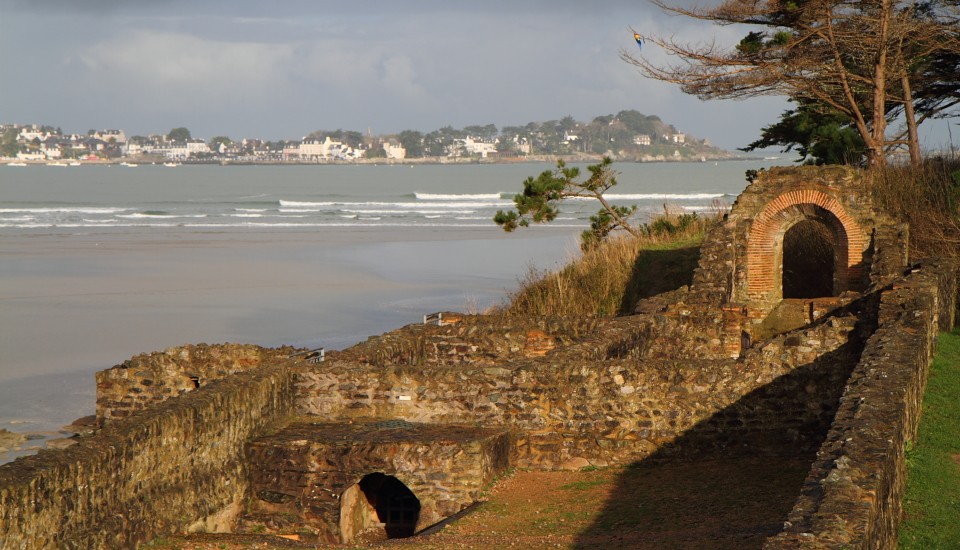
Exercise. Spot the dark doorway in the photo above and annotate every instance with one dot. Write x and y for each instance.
(808, 260)
(396, 505)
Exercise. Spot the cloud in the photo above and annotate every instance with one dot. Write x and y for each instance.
(248, 68)
(180, 71)
(399, 77)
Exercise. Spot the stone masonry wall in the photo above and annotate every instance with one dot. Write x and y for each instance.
(175, 467)
(301, 474)
(574, 409)
(150, 378)
(852, 497)
(736, 284)
(726, 261)
(470, 339)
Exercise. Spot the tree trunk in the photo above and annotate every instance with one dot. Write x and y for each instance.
(876, 156)
(913, 138)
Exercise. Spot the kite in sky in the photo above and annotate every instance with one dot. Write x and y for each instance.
(639, 40)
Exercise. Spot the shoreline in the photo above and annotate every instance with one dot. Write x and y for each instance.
(532, 159)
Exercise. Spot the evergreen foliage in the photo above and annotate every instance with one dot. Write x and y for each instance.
(541, 198)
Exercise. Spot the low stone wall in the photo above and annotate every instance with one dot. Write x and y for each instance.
(852, 497)
(301, 476)
(470, 339)
(569, 411)
(172, 468)
(147, 379)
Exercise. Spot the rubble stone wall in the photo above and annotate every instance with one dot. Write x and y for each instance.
(852, 497)
(301, 474)
(471, 339)
(150, 378)
(576, 410)
(739, 277)
(169, 469)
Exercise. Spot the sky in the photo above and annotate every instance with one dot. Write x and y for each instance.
(286, 68)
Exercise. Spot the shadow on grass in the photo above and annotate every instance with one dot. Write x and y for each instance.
(658, 271)
(730, 481)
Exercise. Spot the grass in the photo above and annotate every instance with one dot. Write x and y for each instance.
(932, 499)
(610, 277)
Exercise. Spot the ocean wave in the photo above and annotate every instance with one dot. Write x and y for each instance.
(656, 196)
(456, 197)
(159, 216)
(299, 204)
(371, 223)
(317, 206)
(707, 208)
(65, 210)
(404, 212)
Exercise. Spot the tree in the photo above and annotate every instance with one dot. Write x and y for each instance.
(375, 151)
(8, 142)
(488, 131)
(820, 137)
(856, 58)
(541, 198)
(179, 134)
(412, 142)
(217, 141)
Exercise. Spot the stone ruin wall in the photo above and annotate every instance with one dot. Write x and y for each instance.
(569, 408)
(175, 467)
(575, 393)
(853, 494)
(736, 285)
(303, 477)
(185, 460)
(148, 379)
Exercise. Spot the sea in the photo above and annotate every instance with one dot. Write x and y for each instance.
(270, 197)
(102, 262)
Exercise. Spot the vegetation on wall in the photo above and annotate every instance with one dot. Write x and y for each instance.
(609, 278)
(927, 198)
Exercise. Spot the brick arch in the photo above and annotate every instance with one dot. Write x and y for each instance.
(764, 244)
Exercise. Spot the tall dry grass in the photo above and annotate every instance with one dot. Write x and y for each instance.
(928, 199)
(611, 276)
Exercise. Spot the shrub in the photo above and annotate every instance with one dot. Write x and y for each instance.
(611, 275)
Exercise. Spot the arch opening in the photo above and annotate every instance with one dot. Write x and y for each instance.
(378, 507)
(765, 259)
(809, 260)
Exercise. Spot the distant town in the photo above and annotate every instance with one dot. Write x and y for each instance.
(628, 135)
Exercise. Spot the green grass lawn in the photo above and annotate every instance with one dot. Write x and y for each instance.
(932, 503)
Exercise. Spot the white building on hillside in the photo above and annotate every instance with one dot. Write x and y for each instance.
(195, 146)
(479, 146)
(116, 135)
(394, 150)
(328, 149)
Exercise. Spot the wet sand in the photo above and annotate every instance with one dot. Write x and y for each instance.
(74, 304)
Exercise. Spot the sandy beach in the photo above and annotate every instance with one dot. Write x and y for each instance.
(72, 305)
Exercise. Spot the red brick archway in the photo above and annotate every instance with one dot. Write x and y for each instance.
(765, 242)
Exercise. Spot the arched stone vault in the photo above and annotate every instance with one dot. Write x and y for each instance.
(765, 242)
(741, 273)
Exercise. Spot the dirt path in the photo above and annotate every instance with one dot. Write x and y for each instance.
(700, 505)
